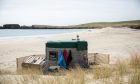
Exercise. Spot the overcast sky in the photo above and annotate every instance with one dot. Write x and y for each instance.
(67, 12)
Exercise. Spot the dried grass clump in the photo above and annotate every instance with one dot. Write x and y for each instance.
(122, 68)
(135, 69)
(134, 78)
(5, 71)
(77, 76)
(101, 72)
(135, 61)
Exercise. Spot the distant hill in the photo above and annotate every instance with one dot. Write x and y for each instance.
(131, 24)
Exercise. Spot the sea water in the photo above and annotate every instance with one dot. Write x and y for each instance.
(35, 32)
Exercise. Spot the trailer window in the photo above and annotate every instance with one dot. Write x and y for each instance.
(53, 55)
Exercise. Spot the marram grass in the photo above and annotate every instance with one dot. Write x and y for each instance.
(121, 73)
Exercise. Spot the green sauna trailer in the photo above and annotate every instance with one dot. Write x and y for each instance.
(77, 48)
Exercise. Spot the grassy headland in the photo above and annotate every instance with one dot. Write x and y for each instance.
(131, 24)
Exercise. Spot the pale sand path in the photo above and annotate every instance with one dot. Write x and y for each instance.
(118, 42)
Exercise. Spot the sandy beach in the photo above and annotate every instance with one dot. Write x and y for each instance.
(120, 43)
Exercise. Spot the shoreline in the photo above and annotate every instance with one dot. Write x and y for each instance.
(41, 36)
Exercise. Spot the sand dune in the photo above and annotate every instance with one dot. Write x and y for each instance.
(118, 42)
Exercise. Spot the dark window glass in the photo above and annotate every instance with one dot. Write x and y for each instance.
(53, 55)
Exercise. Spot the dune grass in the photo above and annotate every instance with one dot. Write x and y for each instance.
(134, 77)
(122, 68)
(135, 66)
(72, 76)
(120, 73)
(135, 61)
(101, 72)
